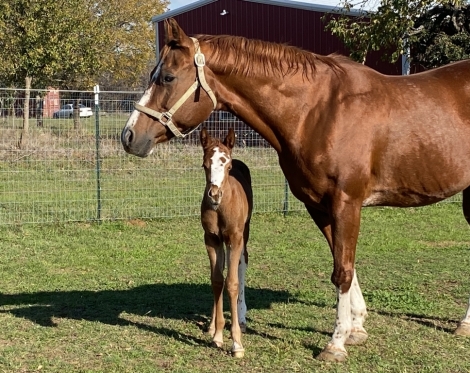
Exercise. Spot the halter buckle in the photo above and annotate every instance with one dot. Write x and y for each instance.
(167, 115)
(199, 59)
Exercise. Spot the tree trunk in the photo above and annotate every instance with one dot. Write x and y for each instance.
(23, 143)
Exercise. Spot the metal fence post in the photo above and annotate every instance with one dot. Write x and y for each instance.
(96, 90)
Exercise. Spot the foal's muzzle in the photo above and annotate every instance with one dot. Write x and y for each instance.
(215, 195)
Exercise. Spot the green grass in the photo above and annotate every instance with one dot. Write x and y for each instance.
(134, 296)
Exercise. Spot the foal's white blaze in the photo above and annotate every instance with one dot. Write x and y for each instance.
(241, 290)
(219, 160)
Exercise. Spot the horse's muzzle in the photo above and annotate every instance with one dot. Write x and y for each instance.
(139, 146)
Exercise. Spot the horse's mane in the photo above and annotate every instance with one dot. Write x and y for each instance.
(248, 57)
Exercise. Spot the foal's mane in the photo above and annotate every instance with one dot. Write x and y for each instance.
(248, 57)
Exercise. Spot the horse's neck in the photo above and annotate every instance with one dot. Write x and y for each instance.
(273, 107)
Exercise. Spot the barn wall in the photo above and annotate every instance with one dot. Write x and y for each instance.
(299, 27)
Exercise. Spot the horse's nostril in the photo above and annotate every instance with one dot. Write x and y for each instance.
(127, 136)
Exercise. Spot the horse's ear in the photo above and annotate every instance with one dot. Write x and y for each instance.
(175, 35)
(204, 137)
(229, 141)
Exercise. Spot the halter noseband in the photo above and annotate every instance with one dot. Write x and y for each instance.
(166, 117)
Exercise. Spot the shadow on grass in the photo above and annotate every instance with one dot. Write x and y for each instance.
(191, 302)
(433, 322)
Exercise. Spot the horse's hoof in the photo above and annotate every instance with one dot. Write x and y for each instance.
(335, 356)
(242, 327)
(217, 344)
(463, 329)
(238, 353)
(357, 337)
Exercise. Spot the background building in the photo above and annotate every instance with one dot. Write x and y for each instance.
(280, 21)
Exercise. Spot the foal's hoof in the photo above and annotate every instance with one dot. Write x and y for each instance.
(217, 344)
(238, 353)
(463, 329)
(357, 337)
(237, 350)
(336, 356)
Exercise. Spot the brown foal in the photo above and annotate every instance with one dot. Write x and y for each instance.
(225, 216)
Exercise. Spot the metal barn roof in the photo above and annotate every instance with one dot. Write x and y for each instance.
(322, 6)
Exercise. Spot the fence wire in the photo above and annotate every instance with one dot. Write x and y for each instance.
(49, 172)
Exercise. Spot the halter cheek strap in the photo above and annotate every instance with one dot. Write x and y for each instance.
(166, 117)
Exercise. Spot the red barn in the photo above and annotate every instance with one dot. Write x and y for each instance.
(280, 21)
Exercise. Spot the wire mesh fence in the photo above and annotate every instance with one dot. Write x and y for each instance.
(69, 165)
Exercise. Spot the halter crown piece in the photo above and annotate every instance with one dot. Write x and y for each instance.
(165, 118)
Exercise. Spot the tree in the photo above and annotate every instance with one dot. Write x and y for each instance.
(393, 28)
(73, 43)
(444, 36)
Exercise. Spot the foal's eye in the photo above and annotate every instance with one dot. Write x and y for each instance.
(168, 78)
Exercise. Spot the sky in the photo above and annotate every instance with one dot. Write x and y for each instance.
(179, 3)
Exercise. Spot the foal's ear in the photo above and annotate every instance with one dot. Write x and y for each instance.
(175, 35)
(204, 137)
(229, 141)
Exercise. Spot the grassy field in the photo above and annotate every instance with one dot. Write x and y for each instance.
(134, 296)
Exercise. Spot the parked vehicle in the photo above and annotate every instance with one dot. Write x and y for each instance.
(66, 111)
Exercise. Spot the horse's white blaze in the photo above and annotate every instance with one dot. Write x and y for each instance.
(219, 160)
(135, 114)
(241, 290)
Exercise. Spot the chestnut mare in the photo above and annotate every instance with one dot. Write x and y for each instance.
(346, 135)
(225, 216)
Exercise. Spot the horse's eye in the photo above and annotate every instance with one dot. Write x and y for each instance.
(168, 78)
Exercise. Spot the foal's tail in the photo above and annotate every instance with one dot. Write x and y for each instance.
(241, 172)
(242, 169)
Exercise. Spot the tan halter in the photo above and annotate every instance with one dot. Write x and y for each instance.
(165, 118)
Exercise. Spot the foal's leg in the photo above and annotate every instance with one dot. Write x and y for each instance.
(242, 309)
(464, 325)
(241, 290)
(215, 250)
(234, 251)
(358, 334)
(343, 233)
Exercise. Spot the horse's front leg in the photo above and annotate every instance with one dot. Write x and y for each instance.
(234, 252)
(345, 221)
(215, 250)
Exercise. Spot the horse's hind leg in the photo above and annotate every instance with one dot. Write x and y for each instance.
(215, 250)
(464, 325)
(358, 334)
